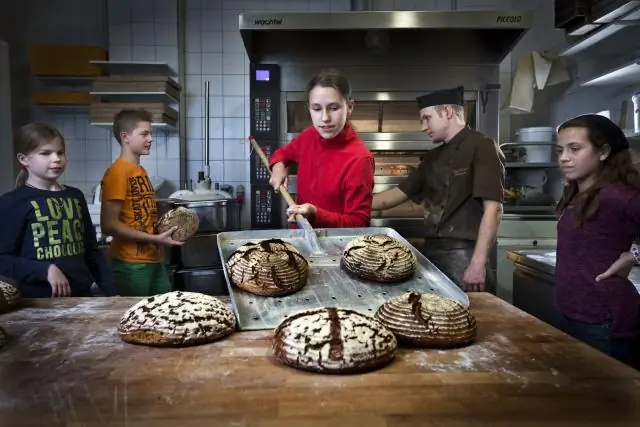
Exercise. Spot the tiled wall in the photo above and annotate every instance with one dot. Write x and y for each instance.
(147, 30)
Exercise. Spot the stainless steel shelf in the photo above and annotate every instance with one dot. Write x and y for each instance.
(603, 33)
(135, 68)
(625, 75)
(160, 126)
(136, 96)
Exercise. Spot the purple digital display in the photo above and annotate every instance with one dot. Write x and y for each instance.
(262, 75)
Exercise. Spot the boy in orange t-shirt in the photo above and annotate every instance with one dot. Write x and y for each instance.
(129, 212)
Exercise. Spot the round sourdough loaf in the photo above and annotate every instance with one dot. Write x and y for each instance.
(268, 268)
(177, 319)
(333, 341)
(4, 337)
(379, 258)
(185, 219)
(428, 320)
(9, 296)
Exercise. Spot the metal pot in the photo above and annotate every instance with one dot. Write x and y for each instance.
(215, 215)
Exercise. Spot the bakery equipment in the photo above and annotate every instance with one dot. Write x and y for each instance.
(302, 222)
(381, 55)
(198, 266)
(328, 284)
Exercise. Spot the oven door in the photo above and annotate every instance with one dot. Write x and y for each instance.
(389, 125)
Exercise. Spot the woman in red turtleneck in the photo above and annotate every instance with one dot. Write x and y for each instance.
(335, 169)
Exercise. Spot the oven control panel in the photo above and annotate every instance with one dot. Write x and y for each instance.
(265, 208)
(264, 119)
(262, 112)
(259, 174)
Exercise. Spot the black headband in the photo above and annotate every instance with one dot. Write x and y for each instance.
(611, 132)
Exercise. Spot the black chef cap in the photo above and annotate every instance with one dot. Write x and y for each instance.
(612, 134)
(453, 96)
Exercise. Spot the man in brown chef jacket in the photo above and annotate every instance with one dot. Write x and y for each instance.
(461, 183)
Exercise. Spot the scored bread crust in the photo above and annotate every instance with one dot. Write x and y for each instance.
(271, 267)
(185, 219)
(379, 258)
(428, 320)
(9, 296)
(177, 319)
(333, 341)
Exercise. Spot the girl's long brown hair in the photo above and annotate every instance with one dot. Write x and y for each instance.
(30, 138)
(616, 168)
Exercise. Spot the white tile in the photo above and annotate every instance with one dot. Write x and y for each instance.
(195, 106)
(120, 34)
(143, 53)
(234, 128)
(169, 169)
(119, 11)
(340, 5)
(193, 40)
(120, 53)
(325, 6)
(142, 10)
(216, 106)
(235, 149)
(194, 86)
(95, 169)
(95, 132)
(159, 148)
(232, 42)
(231, 20)
(195, 150)
(216, 130)
(216, 171)
(215, 84)
(143, 34)
(75, 150)
(212, 4)
(235, 170)
(212, 63)
(194, 63)
(194, 128)
(234, 106)
(169, 55)
(166, 11)
(298, 5)
(98, 150)
(150, 164)
(234, 63)
(211, 41)
(234, 85)
(211, 20)
(166, 34)
(116, 149)
(173, 147)
(216, 149)
(80, 128)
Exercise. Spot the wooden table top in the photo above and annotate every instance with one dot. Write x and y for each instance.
(66, 366)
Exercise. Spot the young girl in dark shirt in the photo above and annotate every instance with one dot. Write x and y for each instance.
(599, 216)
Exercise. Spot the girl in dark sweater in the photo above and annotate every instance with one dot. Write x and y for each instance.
(599, 216)
(48, 243)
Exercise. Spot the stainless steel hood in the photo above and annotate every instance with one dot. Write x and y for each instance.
(367, 37)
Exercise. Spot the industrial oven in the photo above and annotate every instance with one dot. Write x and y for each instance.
(383, 54)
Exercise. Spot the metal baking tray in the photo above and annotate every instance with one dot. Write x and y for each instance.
(328, 284)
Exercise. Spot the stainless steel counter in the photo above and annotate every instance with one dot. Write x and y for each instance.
(545, 261)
